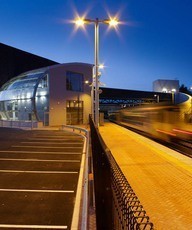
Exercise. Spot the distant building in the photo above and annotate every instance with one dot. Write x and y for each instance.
(55, 95)
(14, 62)
(166, 86)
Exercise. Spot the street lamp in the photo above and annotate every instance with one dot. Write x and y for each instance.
(113, 22)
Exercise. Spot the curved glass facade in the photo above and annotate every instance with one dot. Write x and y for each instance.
(25, 97)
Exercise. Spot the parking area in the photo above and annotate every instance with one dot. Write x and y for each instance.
(39, 174)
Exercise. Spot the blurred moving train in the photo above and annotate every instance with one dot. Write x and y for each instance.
(166, 122)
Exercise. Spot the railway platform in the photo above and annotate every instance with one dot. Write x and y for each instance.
(160, 177)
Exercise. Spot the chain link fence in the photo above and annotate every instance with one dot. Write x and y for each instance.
(117, 206)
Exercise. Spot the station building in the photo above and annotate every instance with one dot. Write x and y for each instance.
(54, 95)
(166, 86)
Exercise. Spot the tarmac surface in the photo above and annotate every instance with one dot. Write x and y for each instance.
(160, 177)
(39, 172)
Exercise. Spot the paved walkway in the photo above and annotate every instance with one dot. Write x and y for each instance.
(161, 178)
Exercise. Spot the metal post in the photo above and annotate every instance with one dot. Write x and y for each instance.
(96, 89)
(157, 98)
(173, 98)
(92, 94)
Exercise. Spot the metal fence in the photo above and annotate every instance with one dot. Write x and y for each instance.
(117, 206)
(20, 124)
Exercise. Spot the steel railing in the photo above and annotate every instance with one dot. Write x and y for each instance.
(117, 206)
(20, 124)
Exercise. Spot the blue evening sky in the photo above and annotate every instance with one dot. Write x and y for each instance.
(154, 42)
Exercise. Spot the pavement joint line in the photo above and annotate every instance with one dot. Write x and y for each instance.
(18, 151)
(35, 190)
(32, 226)
(41, 146)
(38, 160)
(45, 172)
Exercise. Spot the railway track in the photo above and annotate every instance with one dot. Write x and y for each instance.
(179, 145)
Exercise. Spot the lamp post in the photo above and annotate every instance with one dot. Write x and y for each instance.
(96, 88)
(173, 91)
(95, 82)
(157, 96)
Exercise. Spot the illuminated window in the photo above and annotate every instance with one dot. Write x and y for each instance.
(74, 81)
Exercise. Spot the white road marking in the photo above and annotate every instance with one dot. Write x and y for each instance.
(53, 136)
(45, 172)
(55, 139)
(77, 206)
(46, 147)
(35, 190)
(18, 151)
(33, 226)
(50, 143)
(38, 160)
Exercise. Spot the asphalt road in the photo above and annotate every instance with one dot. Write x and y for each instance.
(38, 178)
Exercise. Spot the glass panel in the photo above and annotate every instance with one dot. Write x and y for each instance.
(44, 82)
(42, 106)
(16, 97)
(11, 109)
(23, 84)
(74, 81)
(23, 81)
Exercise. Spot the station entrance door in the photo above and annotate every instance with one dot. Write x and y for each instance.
(74, 112)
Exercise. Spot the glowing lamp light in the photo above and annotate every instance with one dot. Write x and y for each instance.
(101, 66)
(113, 22)
(79, 22)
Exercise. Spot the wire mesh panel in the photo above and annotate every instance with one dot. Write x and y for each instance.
(117, 206)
